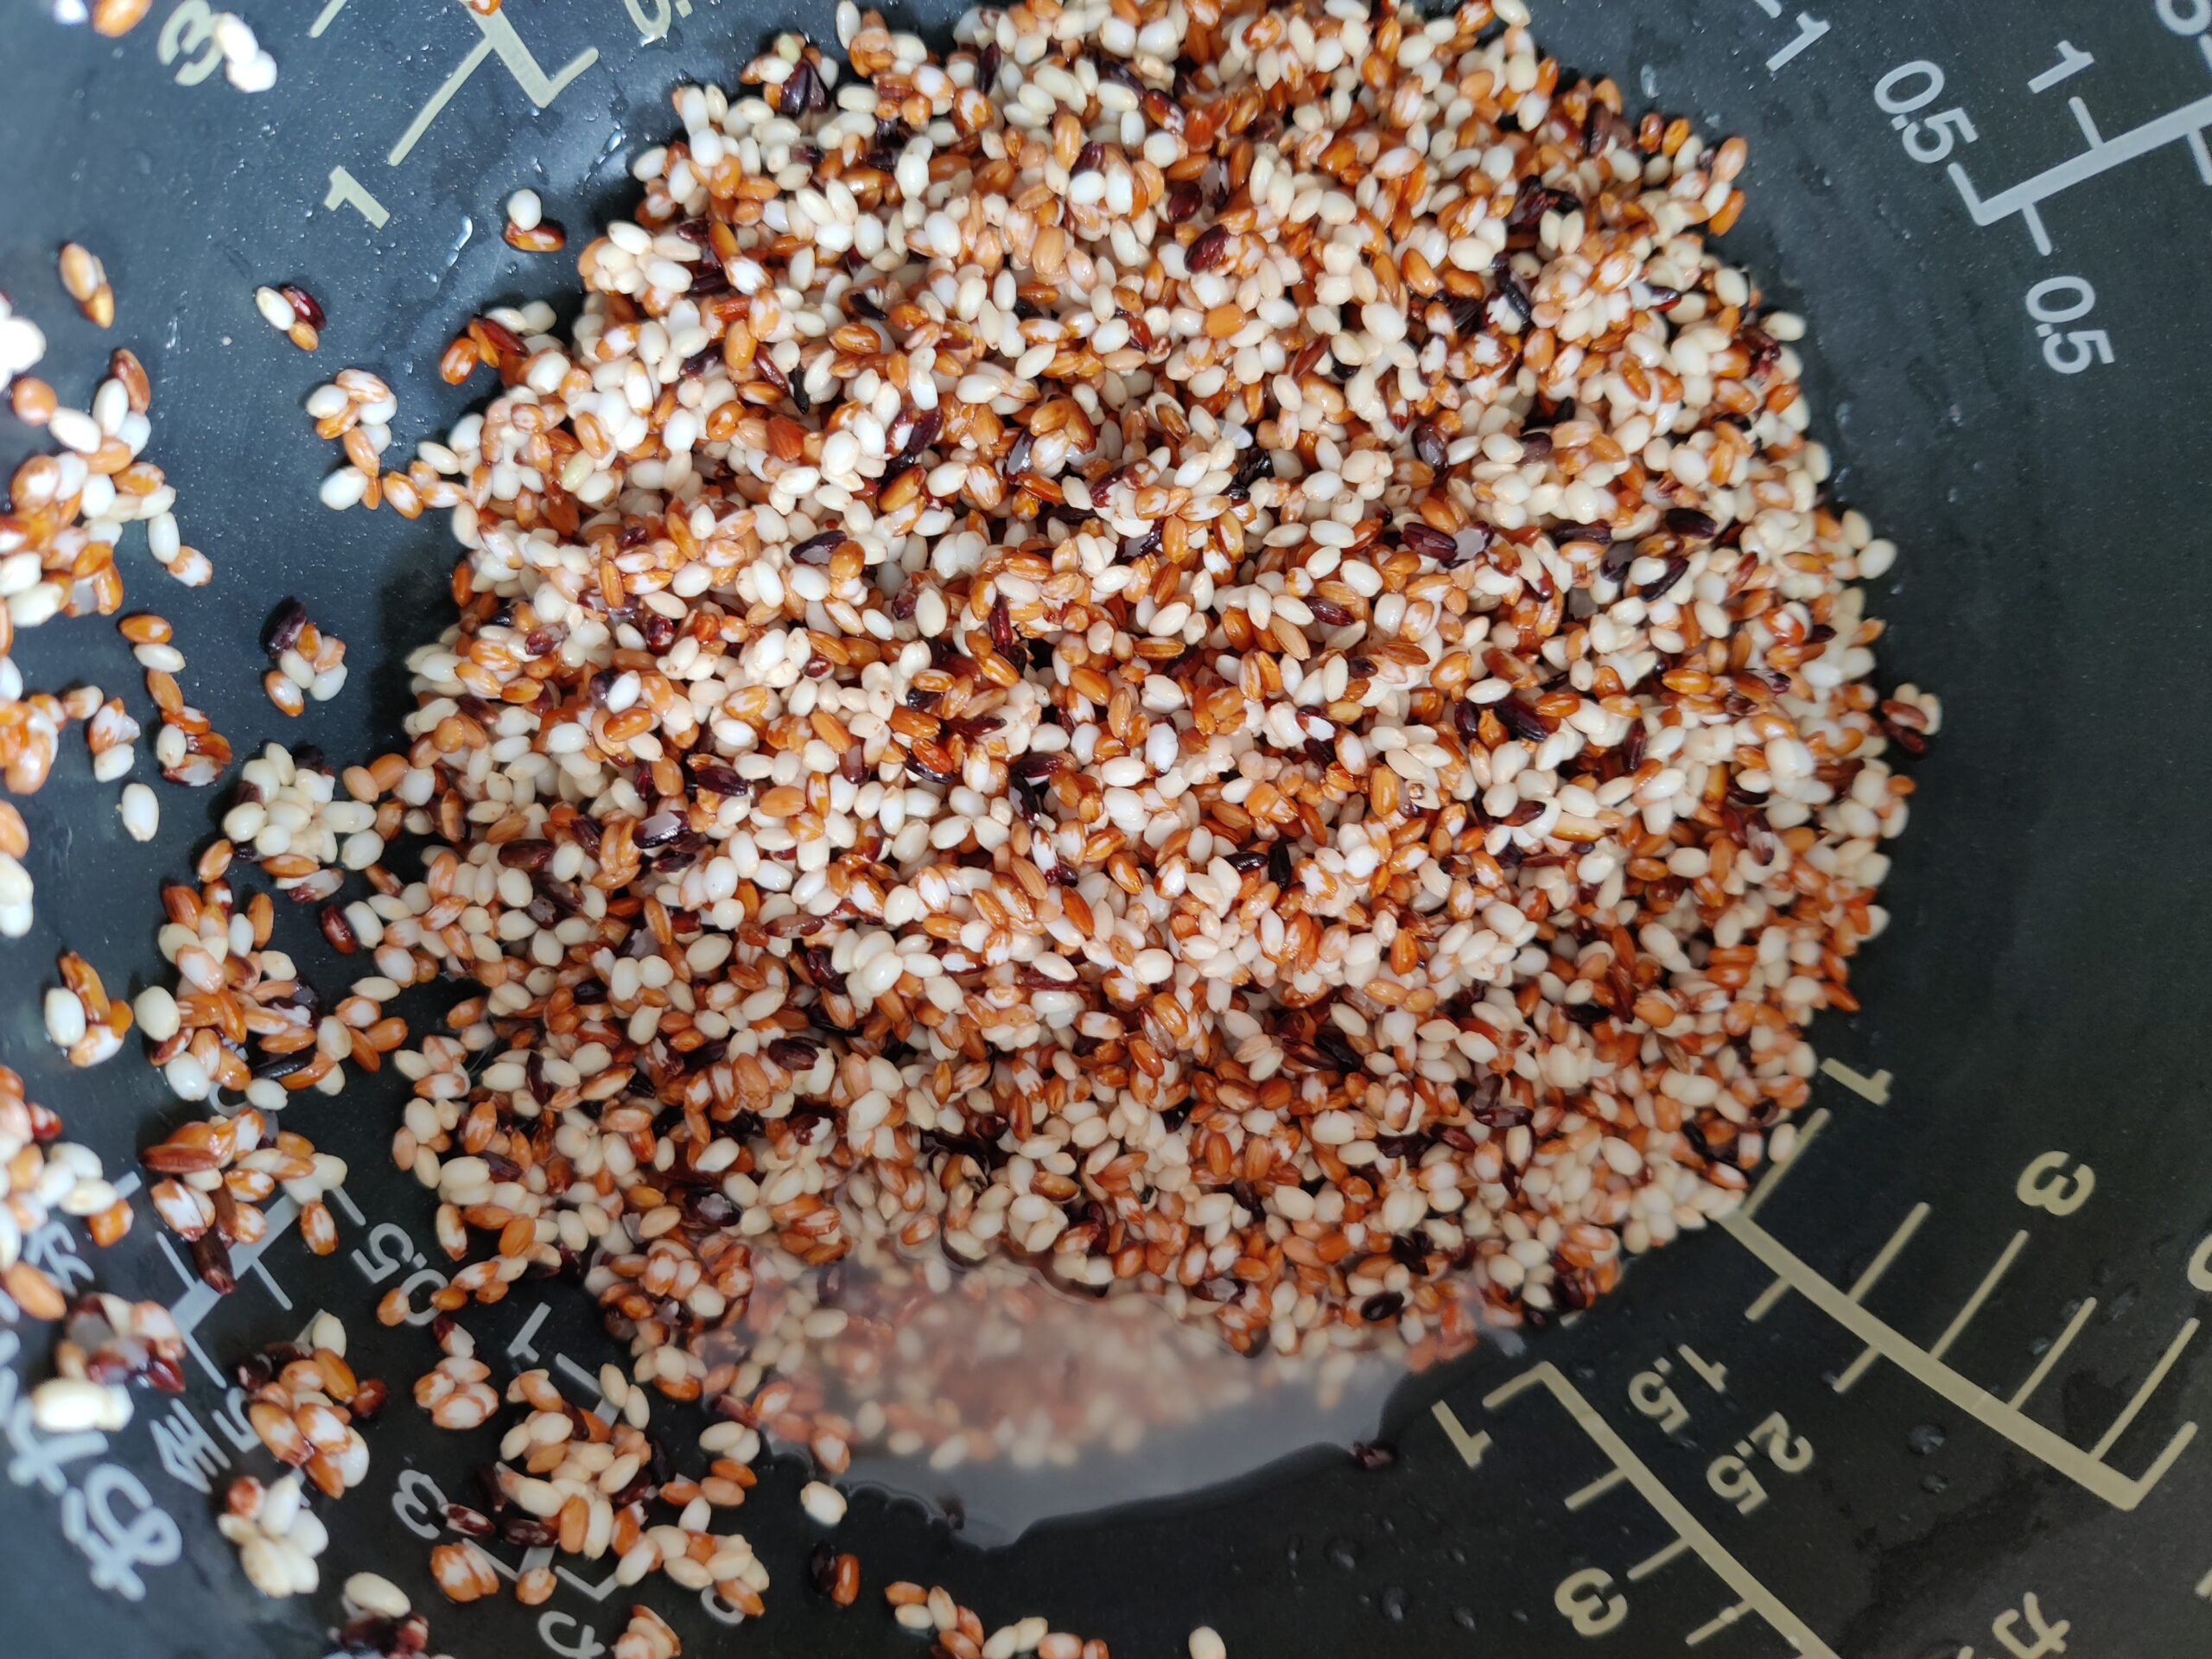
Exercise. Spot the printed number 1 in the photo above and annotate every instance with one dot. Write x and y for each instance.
(346, 191)
(1810, 29)
(2071, 61)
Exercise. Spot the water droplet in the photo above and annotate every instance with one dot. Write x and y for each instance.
(1924, 1439)
(1934, 1485)
(1465, 1619)
(1345, 1554)
(1393, 1603)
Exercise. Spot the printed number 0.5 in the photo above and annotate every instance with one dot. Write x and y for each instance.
(2061, 299)
(1945, 126)
(1933, 139)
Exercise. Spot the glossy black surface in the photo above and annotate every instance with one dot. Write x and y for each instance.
(2042, 987)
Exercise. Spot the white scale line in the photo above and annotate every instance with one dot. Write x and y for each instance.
(1671, 1509)
(2059, 1345)
(2032, 1437)
(2143, 1395)
(2101, 157)
(2196, 148)
(329, 16)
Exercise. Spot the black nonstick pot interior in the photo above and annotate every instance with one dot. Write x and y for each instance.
(1992, 1255)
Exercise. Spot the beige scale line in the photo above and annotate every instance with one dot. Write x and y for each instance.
(2050, 1355)
(1806, 1136)
(1875, 1088)
(499, 36)
(1469, 1448)
(1749, 1590)
(1714, 1626)
(1929, 1370)
(1774, 1292)
(1867, 1281)
(2143, 1395)
(1858, 1367)
(1583, 1496)
(1650, 1564)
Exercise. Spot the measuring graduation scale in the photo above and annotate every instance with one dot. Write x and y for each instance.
(1682, 1387)
(1938, 1390)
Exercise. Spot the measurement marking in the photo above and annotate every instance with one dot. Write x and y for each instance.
(577, 1374)
(2063, 1341)
(522, 1347)
(1876, 1088)
(189, 1309)
(2198, 149)
(346, 191)
(1718, 1622)
(1671, 1509)
(2085, 120)
(1773, 8)
(338, 1195)
(1469, 1448)
(1650, 1564)
(499, 36)
(1867, 1280)
(2204, 46)
(1924, 1368)
(1806, 1136)
(190, 1340)
(1597, 1489)
(329, 16)
(1810, 29)
(2071, 61)
(1819, 1121)
(2143, 1395)
(1857, 1368)
(1965, 1315)
(2102, 156)
(597, 1592)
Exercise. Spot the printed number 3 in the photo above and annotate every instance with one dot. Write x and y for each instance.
(190, 27)
(1945, 127)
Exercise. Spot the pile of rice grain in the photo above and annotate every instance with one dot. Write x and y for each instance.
(1201, 648)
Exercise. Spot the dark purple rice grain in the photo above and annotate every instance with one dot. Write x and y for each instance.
(1427, 540)
(284, 628)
